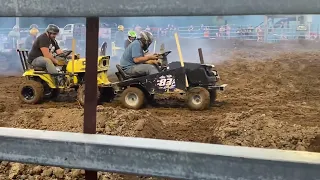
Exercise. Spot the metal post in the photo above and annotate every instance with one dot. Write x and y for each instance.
(17, 40)
(317, 32)
(90, 105)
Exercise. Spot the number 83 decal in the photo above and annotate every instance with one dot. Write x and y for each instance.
(166, 82)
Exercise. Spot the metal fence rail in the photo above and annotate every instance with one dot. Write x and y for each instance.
(155, 157)
(122, 8)
(212, 32)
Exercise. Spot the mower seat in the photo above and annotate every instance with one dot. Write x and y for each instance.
(121, 74)
(38, 69)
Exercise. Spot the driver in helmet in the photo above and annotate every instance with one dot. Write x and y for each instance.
(132, 35)
(41, 54)
(133, 58)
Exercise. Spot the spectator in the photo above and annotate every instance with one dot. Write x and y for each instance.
(171, 32)
(250, 32)
(190, 30)
(138, 29)
(239, 32)
(260, 34)
(228, 30)
(14, 36)
(206, 33)
(221, 32)
(202, 27)
(313, 36)
(162, 32)
(174, 29)
(148, 28)
(120, 36)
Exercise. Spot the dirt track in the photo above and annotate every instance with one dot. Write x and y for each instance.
(271, 101)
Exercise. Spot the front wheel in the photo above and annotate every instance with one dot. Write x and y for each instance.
(31, 92)
(133, 98)
(198, 98)
(81, 94)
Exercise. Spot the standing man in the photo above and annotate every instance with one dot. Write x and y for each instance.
(14, 36)
(119, 36)
(31, 38)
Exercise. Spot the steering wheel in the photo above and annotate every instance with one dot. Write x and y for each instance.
(164, 63)
(65, 54)
(165, 53)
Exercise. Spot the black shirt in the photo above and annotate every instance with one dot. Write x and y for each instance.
(42, 41)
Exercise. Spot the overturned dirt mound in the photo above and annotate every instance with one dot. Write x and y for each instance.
(261, 130)
(10, 171)
(124, 122)
(112, 121)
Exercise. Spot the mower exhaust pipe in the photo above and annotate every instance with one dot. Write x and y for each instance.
(201, 56)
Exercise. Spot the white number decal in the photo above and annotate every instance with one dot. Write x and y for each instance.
(162, 82)
(169, 82)
(166, 82)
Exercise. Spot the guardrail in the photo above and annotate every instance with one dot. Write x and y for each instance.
(172, 159)
(160, 158)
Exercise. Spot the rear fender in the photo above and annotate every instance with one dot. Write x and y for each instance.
(45, 77)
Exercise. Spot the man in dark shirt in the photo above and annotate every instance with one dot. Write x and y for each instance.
(41, 54)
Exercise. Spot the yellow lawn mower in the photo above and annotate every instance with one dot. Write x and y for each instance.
(39, 84)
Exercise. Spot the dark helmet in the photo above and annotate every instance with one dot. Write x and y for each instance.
(52, 29)
(146, 38)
